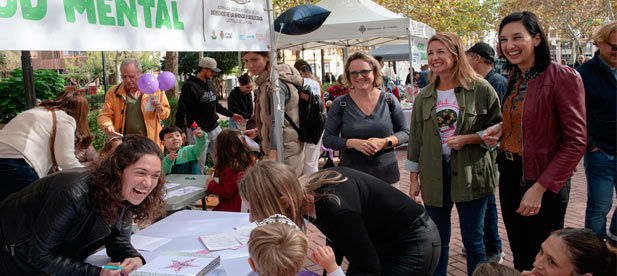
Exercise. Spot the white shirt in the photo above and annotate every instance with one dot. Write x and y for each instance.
(315, 88)
(447, 116)
(28, 136)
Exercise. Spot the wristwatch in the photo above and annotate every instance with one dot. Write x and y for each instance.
(388, 143)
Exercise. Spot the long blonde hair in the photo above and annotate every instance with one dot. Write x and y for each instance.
(463, 73)
(277, 249)
(272, 188)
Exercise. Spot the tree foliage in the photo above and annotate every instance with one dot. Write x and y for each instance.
(573, 20)
(12, 61)
(47, 84)
(470, 19)
(92, 69)
(188, 61)
(280, 6)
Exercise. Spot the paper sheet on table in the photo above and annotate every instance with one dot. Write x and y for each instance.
(249, 226)
(147, 243)
(182, 191)
(228, 240)
(171, 185)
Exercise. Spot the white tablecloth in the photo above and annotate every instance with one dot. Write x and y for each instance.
(184, 229)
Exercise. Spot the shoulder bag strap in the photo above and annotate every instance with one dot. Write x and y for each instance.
(53, 138)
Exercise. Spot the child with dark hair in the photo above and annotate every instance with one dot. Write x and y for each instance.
(233, 157)
(182, 160)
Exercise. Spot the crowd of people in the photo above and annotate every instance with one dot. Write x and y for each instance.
(471, 130)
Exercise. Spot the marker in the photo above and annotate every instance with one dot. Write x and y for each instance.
(111, 267)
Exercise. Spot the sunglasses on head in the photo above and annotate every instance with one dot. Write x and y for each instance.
(364, 73)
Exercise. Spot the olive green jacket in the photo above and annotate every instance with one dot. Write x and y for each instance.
(473, 168)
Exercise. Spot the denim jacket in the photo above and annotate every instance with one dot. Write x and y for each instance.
(473, 168)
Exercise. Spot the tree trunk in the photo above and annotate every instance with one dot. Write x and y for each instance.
(117, 74)
(171, 65)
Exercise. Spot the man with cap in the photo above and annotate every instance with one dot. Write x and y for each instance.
(199, 103)
(481, 57)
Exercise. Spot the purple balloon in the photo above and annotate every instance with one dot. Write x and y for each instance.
(167, 80)
(148, 83)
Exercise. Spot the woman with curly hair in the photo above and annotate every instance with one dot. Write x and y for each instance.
(52, 225)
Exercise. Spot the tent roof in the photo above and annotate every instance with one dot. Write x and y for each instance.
(357, 23)
(392, 52)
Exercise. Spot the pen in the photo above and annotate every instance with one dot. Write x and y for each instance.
(111, 267)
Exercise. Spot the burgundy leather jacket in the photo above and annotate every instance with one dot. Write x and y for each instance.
(554, 126)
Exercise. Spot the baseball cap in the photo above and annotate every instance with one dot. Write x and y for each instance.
(484, 50)
(209, 63)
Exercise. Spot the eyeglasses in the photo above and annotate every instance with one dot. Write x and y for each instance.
(364, 73)
(613, 46)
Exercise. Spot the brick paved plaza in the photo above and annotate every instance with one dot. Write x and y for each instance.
(575, 217)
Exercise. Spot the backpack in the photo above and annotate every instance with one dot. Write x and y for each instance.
(343, 103)
(311, 114)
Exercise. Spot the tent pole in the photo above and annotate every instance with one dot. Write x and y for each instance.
(323, 69)
(28, 75)
(275, 101)
(410, 43)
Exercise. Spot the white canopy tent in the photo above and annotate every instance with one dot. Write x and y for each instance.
(361, 23)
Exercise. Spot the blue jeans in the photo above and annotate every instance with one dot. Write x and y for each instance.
(471, 219)
(18, 173)
(600, 171)
(492, 242)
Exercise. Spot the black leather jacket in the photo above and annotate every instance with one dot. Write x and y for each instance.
(52, 225)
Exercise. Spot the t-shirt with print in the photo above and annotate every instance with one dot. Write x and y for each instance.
(447, 115)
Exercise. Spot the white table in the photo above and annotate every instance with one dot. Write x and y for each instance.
(185, 180)
(184, 228)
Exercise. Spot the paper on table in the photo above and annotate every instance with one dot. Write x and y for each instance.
(182, 191)
(221, 241)
(171, 185)
(249, 226)
(242, 236)
(147, 243)
(228, 240)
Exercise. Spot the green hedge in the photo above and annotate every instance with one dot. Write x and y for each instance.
(47, 84)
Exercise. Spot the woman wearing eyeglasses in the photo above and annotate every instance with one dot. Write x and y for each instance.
(446, 150)
(370, 122)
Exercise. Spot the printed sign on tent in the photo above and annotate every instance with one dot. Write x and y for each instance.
(135, 25)
(231, 23)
